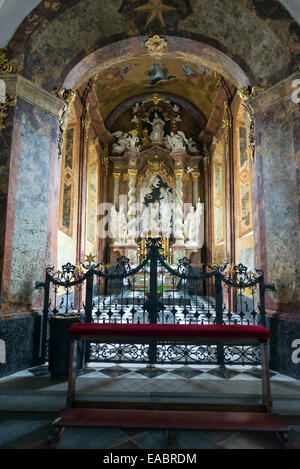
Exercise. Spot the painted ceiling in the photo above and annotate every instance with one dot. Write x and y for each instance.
(192, 81)
(259, 36)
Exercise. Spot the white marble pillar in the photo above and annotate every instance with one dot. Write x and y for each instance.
(116, 177)
(131, 233)
(179, 207)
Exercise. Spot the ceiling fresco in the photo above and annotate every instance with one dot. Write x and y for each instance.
(192, 81)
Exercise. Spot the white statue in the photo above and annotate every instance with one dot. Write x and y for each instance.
(147, 187)
(166, 206)
(157, 133)
(149, 219)
(190, 228)
(121, 144)
(118, 225)
(192, 147)
(193, 227)
(132, 143)
(136, 107)
(175, 142)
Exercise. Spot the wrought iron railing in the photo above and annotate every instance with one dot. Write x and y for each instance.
(156, 292)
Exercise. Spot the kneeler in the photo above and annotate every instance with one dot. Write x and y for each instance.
(164, 415)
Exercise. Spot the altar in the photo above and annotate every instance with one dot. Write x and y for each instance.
(158, 168)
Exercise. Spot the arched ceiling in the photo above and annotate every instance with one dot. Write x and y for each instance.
(260, 36)
(118, 83)
(13, 12)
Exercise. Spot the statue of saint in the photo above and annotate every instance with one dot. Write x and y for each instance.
(157, 133)
(190, 226)
(175, 142)
(121, 145)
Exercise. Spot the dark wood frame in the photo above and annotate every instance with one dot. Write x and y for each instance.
(164, 415)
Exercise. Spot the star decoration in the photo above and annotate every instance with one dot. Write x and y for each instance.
(155, 9)
(90, 258)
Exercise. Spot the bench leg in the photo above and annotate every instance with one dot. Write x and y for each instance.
(265, 376)
(72, 373)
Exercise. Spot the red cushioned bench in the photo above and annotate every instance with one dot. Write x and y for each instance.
(251, 417)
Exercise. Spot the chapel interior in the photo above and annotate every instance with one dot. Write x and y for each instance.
(126, 120)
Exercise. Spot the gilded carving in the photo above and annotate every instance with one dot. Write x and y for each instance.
(86, 121)
(6, 66)
(157, 167)
(156, 44)
(10, 102)
(246, 93)
(68, 96)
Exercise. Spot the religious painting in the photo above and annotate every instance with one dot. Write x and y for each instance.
(218, 186)
(158, 72)
(92, 198)
(67, 185)
(244, 174)
(122, 81)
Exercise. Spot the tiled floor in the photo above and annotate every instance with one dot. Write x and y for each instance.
(35, 390)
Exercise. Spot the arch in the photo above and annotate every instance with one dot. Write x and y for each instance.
(178, 47)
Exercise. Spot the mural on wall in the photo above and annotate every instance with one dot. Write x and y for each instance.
(244, 172)
(92, 196)
(132, 78)
(158, 72)
(37, 133)
(218, 204)
(67, 185)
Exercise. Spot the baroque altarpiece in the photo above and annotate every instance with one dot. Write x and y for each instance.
(156, 185)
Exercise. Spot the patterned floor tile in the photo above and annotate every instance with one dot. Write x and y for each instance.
(224, 373)
(115, 371)
(168, 375)
(91, 438)
(244, 377)
(151, 372)
(187, 372)
(251, 440)
(256, 372)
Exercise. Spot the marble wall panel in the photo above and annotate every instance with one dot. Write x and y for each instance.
(276, 204)
(34, 141)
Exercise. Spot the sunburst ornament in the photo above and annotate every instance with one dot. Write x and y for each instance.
(90, 259)
(155, 9)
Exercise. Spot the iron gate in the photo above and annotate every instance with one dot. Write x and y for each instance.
(156, 292)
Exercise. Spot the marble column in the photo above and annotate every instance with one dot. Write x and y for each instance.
(276, 191)
(29, 194)
(179, 207)
(29, 207)
(195, 179)
(116, 177)
(131, 233)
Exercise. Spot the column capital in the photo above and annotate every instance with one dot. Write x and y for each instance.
(116, 176)
(195, 175)
(276, 94)
(179, 172)
(132, 172)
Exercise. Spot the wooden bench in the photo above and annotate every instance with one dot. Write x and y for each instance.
(222, 417)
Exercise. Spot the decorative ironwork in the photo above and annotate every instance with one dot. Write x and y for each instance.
(155, 292)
